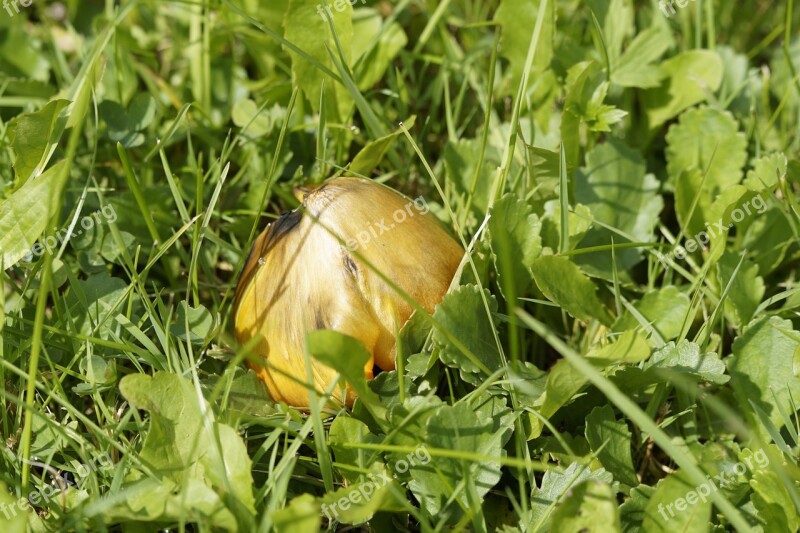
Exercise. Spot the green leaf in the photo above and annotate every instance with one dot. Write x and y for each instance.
(564, 381)
(33, 137)
(579, 223)
(374, 58)
(767, 239)
(515, 236)
(616, 188)
(347, 430)
(13, 519)
(245, 114)
(302, 515)
(347, 355)
(587, 91)
(176, 420)
(24, 216)
(685, 357)
(630, 347)
(462, 314)
(632, 512)
(671, 509)
(562, 282)
(666, 309)
(368, 159)
(125, 126)
(518, 18)
(229, 467)
(306, 27)
(700, 135)
(200, 322)
(761, 367)
(185, 447)
(590, 507)
(92, 300)
(774, 504)
(767, 172)
(357, 503)
(481, 426)
(555, 486)
(611, 441)
(636, 67)
(461, 158)
(688, 79)
(746, 291)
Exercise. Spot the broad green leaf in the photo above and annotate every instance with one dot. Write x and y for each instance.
(761, 367)
(774, 504)
(461, 159)
(481, 426)
(632, 512)
(248, 397)
(685, 357)
(616, 21)
(590, 507)
(688, 79)
(746, 290)
(562, 282)
(228, 468)
(245, 114)
(555, 487)
(358, 502)
(564, 381)
(704, 142)
(91, 301)
(636, 67)
(518, 18)
(678, 505)
(126, 125)
(347, 430)
(199, 319)
(580, 222)
(184, 446)
(610, 440)
(306, 26)
(347, 356)
(13, 519)
(373, 61)
(515, 233)
(302, 515)
(368, 159)
(20, 52)
(767, 172)
(34, 136)
(616, 188)
(176, 420)
(462, 314)
(630, 347)
(24, 216)
(767, 238)
(587, 91)
(664, 308)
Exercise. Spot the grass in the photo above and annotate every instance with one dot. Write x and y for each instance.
(568, 381)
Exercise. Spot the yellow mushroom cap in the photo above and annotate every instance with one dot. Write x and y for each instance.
(300, 277)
